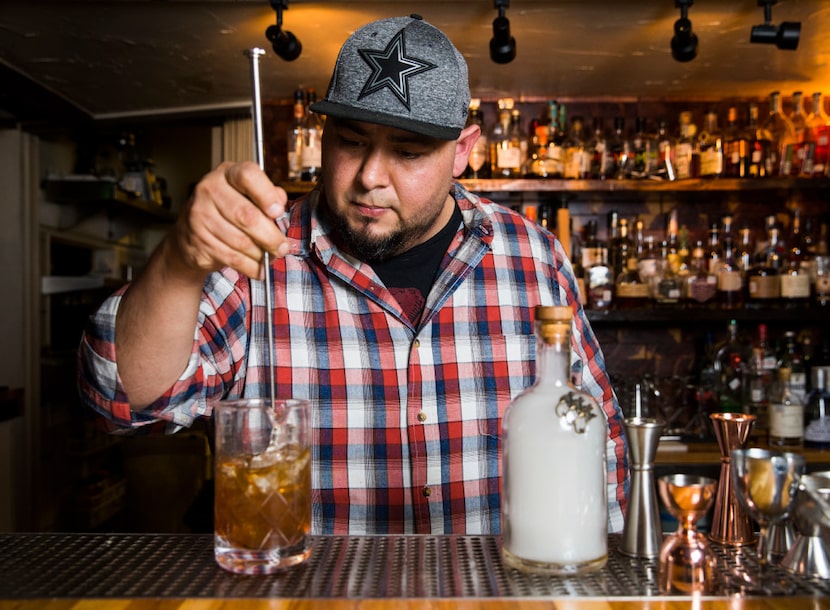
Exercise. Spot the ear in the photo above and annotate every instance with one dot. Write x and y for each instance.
(463, 146)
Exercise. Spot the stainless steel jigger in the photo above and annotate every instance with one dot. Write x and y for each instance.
(809, 556)
(642, 533)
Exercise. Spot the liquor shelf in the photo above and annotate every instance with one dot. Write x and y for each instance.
(666, 315)
(678, 453)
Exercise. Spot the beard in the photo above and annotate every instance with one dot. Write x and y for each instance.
(360, 242)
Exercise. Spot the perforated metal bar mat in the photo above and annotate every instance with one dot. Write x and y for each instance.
(162, 565)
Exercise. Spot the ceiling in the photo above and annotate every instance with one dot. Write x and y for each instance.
(122, 59)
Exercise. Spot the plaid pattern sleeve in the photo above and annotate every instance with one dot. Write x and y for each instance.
(406, 419)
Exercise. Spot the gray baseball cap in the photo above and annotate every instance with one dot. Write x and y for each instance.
(400, 72)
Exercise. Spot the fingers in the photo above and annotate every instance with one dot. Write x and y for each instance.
(229, 220)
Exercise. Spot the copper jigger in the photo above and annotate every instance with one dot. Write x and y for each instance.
(730, 523)
(687, 564)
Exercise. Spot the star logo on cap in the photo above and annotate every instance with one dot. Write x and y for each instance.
(392, 68)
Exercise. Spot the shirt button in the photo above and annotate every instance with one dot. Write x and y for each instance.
(422, 417)
(416, 344)
(427, 491)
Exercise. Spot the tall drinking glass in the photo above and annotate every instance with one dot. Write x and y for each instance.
(262, 520)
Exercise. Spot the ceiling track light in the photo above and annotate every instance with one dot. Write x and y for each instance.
(784, 36)
(502, 45)
(285, 43)
(684, 41)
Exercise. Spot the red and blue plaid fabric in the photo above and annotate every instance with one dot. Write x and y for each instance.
(406, 419)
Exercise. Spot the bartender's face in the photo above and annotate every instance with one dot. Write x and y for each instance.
(386, 189)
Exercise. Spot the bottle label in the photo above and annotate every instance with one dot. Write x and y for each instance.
(795, 286)
(786, 421)
(818, 430)
(509, 157)
(701, 291)
(729, 281)
(632, 291)
(764, 287)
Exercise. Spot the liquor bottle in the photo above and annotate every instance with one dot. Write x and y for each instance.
(793, 153)
(816, 139)
(710, 145)
(701, 284)
(713, 251)
(791, 357)
(620, 149)
(594, 250)
(312, 140)
(620, 247)
(730, 289)
(729, 365)
(665, 153)
(779, 131)
(643, 150)
(601, 162)
(794, 279)
(505, 149)
(735, 147)
(786, 414)
(294, 140)
(556, 139)
(763, 277)
(821, 283)
(684, 148)
(758, 379)
(478, 164)
(817, 413)
(575, 165)
(554, 512)
(599, 283)
(518, 136)
(648, 263)
(630, 291)
(667, 287)
(759, 143)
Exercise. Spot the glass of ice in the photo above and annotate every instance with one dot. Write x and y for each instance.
(262, 472)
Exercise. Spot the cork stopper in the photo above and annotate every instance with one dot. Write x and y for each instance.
(554, 323)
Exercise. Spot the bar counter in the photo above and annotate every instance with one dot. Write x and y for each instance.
(137, 571)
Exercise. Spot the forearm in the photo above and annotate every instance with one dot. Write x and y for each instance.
(155, 326)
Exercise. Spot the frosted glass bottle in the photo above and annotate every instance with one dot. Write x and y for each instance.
(554, 497)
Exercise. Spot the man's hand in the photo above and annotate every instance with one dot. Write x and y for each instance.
(229, 221)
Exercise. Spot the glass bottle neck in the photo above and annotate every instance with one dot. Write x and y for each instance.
(553, 358)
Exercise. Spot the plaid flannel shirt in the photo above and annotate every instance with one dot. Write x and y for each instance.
(406, 419)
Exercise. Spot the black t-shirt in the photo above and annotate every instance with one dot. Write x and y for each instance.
(409, 276)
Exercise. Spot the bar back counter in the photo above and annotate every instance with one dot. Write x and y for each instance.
(349, 572)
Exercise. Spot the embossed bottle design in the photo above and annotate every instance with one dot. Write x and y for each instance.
(554, 497)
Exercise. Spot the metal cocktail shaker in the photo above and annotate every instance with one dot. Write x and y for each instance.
(642, 533)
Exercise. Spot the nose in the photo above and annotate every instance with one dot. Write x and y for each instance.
(374, 171)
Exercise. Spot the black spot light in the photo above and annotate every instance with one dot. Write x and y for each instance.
(285, 44)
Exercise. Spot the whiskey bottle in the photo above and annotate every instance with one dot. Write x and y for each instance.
(711, 148)
(294, 141)
(701, 284)
(312, 154)
(795, 279)
(554, 512)
(684, 148)
(793, 155)
(729, 365)
(817, 412)
(816, 139)
(667, 287)
(758, 383)
(779, 131)
(759, 143)
(786, 414)
(601, 162)
(730, 280)
(620, 247)
(735, 147)
(665, 153)
(505, 146)
(478, 163)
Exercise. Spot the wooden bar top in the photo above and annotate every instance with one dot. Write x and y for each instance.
(706, 453)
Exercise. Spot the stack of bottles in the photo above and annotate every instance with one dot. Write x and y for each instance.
(751, 143)
(733, 268)
(784, 383)
(304, 150)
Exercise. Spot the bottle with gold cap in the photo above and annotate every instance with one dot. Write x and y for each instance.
(554, 495)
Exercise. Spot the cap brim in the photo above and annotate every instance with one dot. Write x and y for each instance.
(359, 114)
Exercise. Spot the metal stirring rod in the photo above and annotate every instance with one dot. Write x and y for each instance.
(256, 110)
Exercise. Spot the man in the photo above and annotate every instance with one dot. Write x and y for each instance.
(403, 304)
